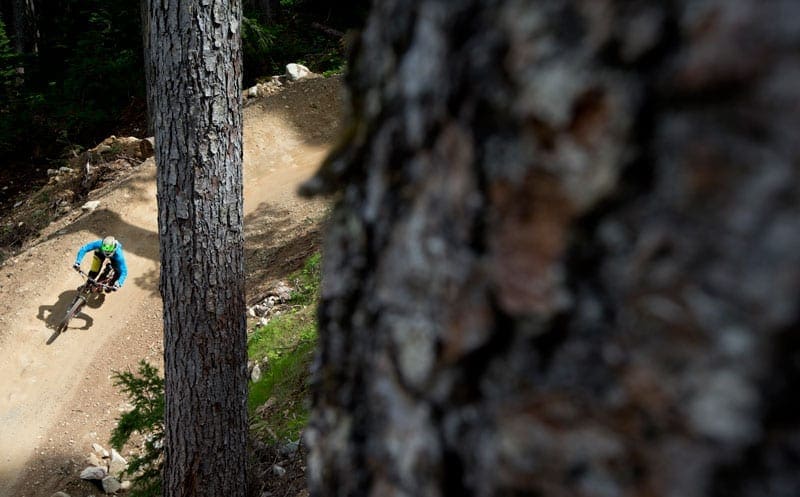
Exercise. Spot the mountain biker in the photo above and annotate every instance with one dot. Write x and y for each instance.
(107, 248)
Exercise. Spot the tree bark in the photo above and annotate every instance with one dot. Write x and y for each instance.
(565, 256)
(196, 54)
(144, 6)
(26, 34)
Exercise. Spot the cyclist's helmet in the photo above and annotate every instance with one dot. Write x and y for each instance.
(109, 246)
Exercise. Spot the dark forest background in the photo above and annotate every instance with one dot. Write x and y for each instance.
(72, 71)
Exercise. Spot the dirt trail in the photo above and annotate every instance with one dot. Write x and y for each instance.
(56, 400)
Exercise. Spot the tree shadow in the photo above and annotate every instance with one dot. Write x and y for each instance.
(63, 466)
(102, 222)
(276, 246)
(316, 123)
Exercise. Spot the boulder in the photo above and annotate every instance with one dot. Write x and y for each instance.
(289, 449)
(128, 146)
(118, 464)
(94, 473)
(255, 375)
(282, 291)
(96, 446)
(147, 147)
(90, 206)
(93, 460)
(251, 92)
(297, 72)
(110, 485)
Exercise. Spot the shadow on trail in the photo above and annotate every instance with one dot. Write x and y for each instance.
(316, 122)
(51, 315)
(275, 246)
(61, 476)
(102, 222)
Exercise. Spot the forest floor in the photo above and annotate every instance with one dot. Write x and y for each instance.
(57, 400)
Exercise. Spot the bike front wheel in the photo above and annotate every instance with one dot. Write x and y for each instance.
(73, 310)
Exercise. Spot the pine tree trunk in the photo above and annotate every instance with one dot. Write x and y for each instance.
(565, 257)
(144, 6)
(196, 54)
(26, 34)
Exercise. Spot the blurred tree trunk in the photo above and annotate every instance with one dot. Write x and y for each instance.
(267, 7)
(565, 257)
(196, 56)
(26, 33)
(19, 16)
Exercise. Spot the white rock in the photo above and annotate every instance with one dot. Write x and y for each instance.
(110, 484)
(118, 463)
(297, 71)
(126, 485)
(278, 470)
(281, 291)
(252, 92)
(290, 448)
(60, 494)
(93, 473)
(256, 374)
(93, 459)
(91, 205)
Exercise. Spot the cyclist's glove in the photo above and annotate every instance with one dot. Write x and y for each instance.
(116, 286)
(76, 266)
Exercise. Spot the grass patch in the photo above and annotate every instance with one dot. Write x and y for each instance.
(282, 334)
(278, 403)
(306, 281)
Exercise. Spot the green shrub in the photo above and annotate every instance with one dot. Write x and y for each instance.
(145, 391)
(306, 281)
(257, 39)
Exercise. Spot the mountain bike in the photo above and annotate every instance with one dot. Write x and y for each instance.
(91, 290)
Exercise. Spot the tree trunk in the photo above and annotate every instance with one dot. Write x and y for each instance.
(565, 257)
(267, 8)
(144, 6)
(26, 34)
(196, 55)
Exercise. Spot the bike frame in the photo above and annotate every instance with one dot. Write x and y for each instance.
(86, 290)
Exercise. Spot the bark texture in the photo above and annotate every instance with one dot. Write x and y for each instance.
(25, 32)
(144, 11)
(565, 258)
(196, 54)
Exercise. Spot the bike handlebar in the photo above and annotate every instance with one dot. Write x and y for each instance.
(94, 281)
